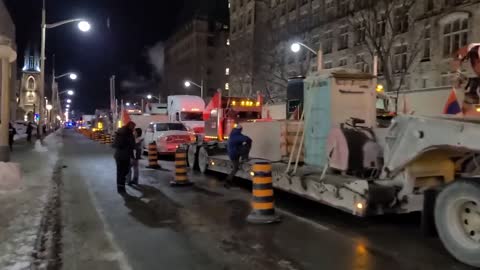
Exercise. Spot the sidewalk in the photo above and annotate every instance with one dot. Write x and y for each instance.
(21, 208)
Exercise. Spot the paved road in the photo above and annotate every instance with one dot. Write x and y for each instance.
(204, 227)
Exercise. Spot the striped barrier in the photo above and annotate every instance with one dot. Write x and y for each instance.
(181, 176)
(153, 156)
(263, 206)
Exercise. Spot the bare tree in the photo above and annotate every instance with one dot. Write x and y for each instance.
(385, 27)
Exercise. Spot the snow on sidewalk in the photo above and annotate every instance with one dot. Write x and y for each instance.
(22, 202)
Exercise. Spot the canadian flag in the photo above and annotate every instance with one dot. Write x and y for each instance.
(125, 118)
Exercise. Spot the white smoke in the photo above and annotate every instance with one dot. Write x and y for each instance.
(156, 57)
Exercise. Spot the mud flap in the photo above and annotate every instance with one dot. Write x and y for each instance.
(428, 221)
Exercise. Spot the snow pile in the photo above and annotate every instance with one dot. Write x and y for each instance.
(10, 176)
(39, 147)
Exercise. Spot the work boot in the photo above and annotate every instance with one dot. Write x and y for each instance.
(121, 190)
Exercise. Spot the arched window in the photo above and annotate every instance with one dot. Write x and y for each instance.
(31, 85)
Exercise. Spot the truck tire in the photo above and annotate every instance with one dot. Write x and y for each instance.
(457, 218)
(203, 159)
(192, 156)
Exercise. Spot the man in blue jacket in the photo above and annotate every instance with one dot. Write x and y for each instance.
(238, 150)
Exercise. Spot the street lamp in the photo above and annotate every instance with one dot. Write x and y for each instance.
(127, 104)
(296, 46)
(150, 97)
(69, 101)
(70, 92)
(49, 108)
(68, 106)
(188, 83)
(73, 76)
(82, 25)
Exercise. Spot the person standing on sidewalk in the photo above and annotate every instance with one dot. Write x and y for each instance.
(11, 135)
(29, 132)
(124, 145)
(137, 156)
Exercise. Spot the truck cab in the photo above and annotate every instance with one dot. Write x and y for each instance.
(187, 110)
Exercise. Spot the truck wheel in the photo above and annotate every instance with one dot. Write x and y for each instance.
(457, 217)
(193, 156)
(203, 159)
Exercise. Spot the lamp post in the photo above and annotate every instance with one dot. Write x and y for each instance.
(297, 46)
(83, 25)
(189, 83)
(49, 112)
(150, 97)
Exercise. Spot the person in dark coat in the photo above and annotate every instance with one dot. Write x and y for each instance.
(124, 145)
(11, 134)
(238, 150)
(134, 173)
(29, 132)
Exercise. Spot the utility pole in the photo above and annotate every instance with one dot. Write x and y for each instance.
(41, 108)
(113, 102)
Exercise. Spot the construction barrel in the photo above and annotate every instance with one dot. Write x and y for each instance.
(153, 156)
(263, 206)
(181, 176)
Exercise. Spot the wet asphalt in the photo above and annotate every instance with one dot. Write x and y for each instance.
(204, 226)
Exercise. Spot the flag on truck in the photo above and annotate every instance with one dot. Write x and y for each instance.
(452, 106)
(125, 118)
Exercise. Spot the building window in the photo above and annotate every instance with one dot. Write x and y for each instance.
(429, 5)
(329, 4)
(455, 36)
(343, 38)
(327, 45)
(381, 23)
(400, 58)
(343, 62)
(360, 33)
(343, 7)
(426, 43)
(241, 3)
(250, 17)
(227, 86)
(446, 79)
(242, 21)
(453, 2)
(210, 41)
(234, 27)
(327, 65)
(227, 71)
(31, 84)
(292, 5)
(360, 64)
(401, 20)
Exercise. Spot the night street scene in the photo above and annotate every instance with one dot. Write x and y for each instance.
(239, 134)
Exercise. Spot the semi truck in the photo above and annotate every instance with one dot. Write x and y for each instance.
(340, 154)
(187, 110)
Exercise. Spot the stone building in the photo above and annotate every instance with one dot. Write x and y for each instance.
(429, 33)
(8, 46)
(197, 51)
(30, 84)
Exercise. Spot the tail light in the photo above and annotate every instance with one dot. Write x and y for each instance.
(198, 130)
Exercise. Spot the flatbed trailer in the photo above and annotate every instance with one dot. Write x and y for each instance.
(418, 164)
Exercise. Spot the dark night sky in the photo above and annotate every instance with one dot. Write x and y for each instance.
(135, 26)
